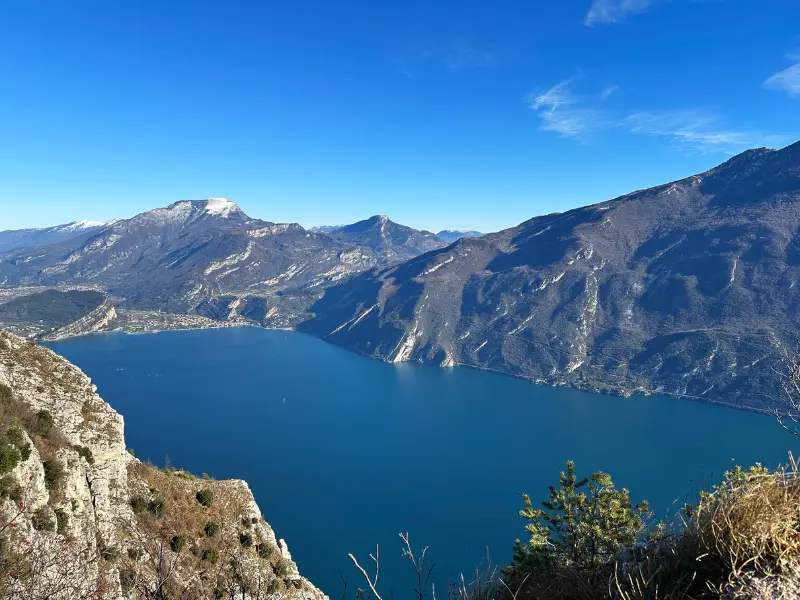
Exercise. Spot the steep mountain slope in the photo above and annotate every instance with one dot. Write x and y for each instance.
(453, 235)
(392, 241)
(80, 517)
(687, 288)
(15, 239)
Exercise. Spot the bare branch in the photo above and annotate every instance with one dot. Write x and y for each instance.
(372, 584)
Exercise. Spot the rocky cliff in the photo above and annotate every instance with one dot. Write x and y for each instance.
(80, 517)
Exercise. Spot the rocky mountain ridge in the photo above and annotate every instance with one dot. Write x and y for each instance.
(81, 517)
(453, 235)
(209, 258)
(17, 239)
(685, 289)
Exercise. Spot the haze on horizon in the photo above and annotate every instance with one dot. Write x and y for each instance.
(458, 116)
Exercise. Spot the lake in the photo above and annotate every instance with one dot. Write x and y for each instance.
(344, 452)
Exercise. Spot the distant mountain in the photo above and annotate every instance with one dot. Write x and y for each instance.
(392, 241)
(15, 239)
(208, 257)
(453, 235)
(687, 288)
(325, 228)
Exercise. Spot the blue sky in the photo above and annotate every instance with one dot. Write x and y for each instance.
(472, 114)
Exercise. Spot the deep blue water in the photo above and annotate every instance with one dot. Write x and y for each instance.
(361, 450)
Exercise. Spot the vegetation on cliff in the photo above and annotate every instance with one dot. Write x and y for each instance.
(81, 518)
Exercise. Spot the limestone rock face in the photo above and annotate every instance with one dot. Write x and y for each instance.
(69, 521)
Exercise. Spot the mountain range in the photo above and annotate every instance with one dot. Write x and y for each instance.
(687, 288)
(208, 257)
(453, 235)
(17, 239)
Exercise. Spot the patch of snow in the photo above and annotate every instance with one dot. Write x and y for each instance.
(438, 266)
(79, 225)
(355, 320)
(521, 326)
(733, 271)
(221, 207)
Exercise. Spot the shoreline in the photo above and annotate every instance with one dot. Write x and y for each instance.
(611, 392)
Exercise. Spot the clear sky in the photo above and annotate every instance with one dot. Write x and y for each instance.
(460, 114)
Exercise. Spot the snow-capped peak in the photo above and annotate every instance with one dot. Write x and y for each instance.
(80, 225)
(221, 207)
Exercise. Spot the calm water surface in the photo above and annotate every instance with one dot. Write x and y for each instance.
(343, 452)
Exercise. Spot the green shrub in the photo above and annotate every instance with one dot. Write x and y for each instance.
(85, 453)
(156, 507)
(246, 540)
(16, 494)
(10, 489)
(177, 543)
(25, 451)
(139, 505)
(265, 550)
(6, 395)
(42, 521)
(43, 423)
(246, 523)
(205, 497)
(15, 436)
(210, 555)
(62, 521)
(281, 568)
(6, 483)
(9, 458)
(127, 579)
(211, 529)
(53, 471)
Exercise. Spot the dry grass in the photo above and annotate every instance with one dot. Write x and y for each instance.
(188, 574)
(741, 541)
(744, 533)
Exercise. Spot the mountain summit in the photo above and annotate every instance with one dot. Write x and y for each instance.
(392, 240)
(681, 289)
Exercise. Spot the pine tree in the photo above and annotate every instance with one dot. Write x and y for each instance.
(582, 524)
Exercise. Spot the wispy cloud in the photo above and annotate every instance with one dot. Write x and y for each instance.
(787, 80)
(577, 115)
(614, 11)
(564, 112)
(699, 129)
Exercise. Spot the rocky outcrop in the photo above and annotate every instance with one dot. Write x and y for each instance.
(80, 517)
